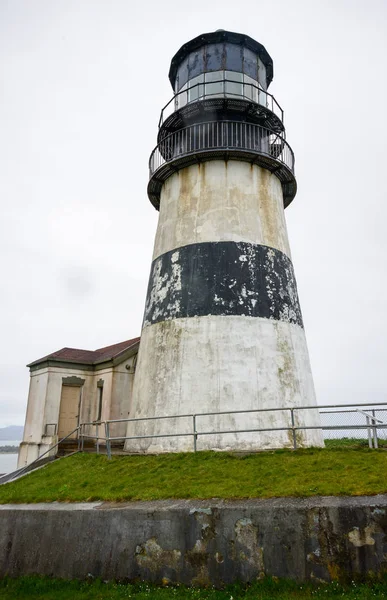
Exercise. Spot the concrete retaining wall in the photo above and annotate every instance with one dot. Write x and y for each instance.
(197, 542)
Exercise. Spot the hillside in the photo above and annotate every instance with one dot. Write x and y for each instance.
(12, 432)
(312, 472)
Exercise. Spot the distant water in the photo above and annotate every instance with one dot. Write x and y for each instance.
(8, 462)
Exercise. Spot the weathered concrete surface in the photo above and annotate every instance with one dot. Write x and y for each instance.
(221, 201)
(197, 542)
(45, 396)
(222, 279)
(216, 364)
(222, 327)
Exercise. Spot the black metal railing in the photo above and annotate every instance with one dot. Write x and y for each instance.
(202, 91)
(221, 136)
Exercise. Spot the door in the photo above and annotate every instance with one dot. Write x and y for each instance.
(69, 410)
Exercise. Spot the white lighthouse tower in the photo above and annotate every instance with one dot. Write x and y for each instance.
(222, 327)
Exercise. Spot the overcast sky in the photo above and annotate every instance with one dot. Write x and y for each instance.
(82, 84)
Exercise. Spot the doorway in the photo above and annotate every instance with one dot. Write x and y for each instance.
(69, 410)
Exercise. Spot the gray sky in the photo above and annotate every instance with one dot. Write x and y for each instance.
(82, 83)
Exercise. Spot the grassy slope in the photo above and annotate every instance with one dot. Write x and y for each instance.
(86, 477)
(36, 588)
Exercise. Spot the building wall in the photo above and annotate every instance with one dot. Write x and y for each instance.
(218, 340)
(43, 409)
(44, 404)
(122, 388)
(36, 405)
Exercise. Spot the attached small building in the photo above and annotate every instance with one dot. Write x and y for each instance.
(73, 386)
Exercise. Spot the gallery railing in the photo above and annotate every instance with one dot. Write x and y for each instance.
(224, 88)
(369, 415)
(216, 137)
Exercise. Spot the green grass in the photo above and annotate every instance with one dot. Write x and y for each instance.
(87, 477)
(42, 588)
(352, 443)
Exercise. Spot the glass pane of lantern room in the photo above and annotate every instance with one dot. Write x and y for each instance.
(214, 84)
(233, 83)
(262, 97)
(195, 89)
(181, 99)
(251, 89)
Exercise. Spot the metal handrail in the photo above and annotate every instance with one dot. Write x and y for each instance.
(371, 426)
(208, 137)
(371, 422)
(293, 428)
(175, 103)
(252, 410)
(370, 416)
(195, 433)
(19, 472)
(355, 410)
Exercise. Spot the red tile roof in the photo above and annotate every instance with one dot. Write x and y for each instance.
(89, 357)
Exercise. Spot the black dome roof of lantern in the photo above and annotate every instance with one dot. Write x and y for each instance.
(221, 35)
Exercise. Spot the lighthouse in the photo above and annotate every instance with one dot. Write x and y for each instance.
(222, 333)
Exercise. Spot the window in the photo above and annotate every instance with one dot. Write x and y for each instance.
(250, 90)
(222, 83)
(214, 83)
(99, 402)
(195, 89)
(262, 97)
(182, 98)
(234, 89)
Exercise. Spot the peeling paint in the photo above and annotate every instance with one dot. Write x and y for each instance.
(152, 556)
(205, 511)
(218, 202)
(219, 363)
(378, 511)
(359, 537)
(222, 325)
(181, 541)
(198, 557)
(246, 534)
(222, 278)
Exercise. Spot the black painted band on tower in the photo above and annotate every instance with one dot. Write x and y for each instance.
(225, 279)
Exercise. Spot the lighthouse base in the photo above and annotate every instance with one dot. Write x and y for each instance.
(216, 364)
